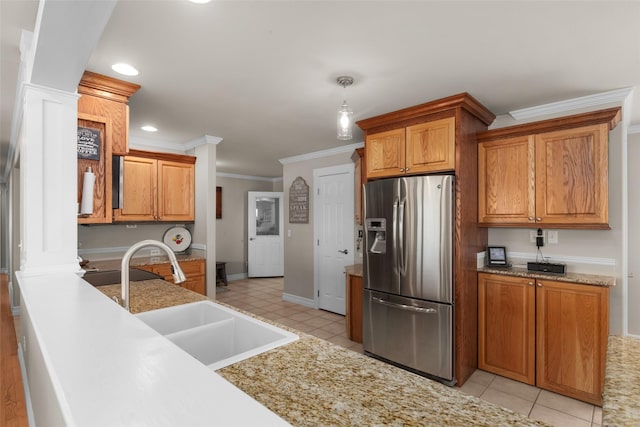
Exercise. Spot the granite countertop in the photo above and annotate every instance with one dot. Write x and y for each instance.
(585, 279)
(313, 382)
(114, 264)
(622, 382)
(354, 270)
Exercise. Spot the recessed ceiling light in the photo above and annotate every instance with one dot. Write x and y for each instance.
(200, 1)
(149, 128)
(124, 69)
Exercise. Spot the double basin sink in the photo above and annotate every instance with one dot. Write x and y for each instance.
(215, 335)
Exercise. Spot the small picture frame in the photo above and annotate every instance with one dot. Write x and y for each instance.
(497, 256)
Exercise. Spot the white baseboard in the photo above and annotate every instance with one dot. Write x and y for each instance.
(25, 385)
(240, 276)
(307, 302)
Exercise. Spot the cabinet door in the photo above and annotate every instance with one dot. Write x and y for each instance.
(139, 190)
(572, 176)
(431, 146)
(176, 189)
(506, 181)
(506, 326)
(572, 329)
(385, 153)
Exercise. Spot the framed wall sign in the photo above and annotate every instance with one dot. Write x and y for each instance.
(299, 201)
(89, 140)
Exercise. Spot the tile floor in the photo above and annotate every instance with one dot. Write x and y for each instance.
(263, 297)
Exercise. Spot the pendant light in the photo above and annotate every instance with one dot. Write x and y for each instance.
(345, 113)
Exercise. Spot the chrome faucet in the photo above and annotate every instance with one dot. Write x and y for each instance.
(178, 274)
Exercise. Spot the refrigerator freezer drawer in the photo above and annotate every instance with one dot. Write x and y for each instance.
(413, 333)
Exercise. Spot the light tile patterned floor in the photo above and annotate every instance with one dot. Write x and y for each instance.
(263, 297)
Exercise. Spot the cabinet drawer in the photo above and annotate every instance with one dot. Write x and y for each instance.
(195, 284)
(192, 267)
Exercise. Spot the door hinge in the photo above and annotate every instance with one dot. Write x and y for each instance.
(318, 191)
(318, 242)
(318, 293)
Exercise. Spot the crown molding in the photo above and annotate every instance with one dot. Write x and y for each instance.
(633, 129)
(617, 95)
(323, 153)
(248, 177)
(204, 139)
(155, 145)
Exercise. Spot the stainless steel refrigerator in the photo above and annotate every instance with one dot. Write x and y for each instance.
(408, 306)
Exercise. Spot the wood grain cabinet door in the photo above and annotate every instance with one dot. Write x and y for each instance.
(506, 181)
(176, 191)
(506, 326)
(431, 146)
(572, 176)
(139, 190)
(572, 329)
(385, 153)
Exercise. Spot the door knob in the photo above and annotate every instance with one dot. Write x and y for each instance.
(343, 252)
(251, 238)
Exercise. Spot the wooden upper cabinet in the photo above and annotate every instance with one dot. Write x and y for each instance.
(571, 339)
(572, 176)
(550, 173)
(176, 191)
(431, 146)
(108, 97)
(506, 181)
(102, 107)
(157, 187)
(506, 326)
(424, 138)
(138, 190)
(385, 153)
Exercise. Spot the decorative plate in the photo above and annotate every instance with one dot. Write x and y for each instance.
(177, 238)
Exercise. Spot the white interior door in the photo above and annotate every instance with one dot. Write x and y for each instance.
(266, 242)
(334, 223)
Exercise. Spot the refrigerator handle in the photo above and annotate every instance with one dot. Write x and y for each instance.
(394, 241)
(405, 307)
(402, 267)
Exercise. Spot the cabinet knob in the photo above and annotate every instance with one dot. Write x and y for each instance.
(539, 284)
(538, 219)
(530, 283)
(401, 169)
(530, 218)
(406, 169)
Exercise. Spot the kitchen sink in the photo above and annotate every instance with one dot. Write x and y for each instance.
(215, 335)
(111, 277)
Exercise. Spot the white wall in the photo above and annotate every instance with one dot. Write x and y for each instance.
(298, 247)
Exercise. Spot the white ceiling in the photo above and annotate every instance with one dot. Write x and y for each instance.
(261, 75)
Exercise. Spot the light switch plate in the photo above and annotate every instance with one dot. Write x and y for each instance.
(552, 237)
(155, 252)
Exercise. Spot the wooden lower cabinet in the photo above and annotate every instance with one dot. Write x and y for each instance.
(194, 270)
(546, 333)
(571, 338)
(354, 307)
(506, 326)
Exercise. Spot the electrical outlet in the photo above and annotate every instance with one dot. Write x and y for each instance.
(552, 237)
(155, 252)
(155, 259)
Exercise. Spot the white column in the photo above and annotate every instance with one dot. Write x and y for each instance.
(204, 229)
(48, 182)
